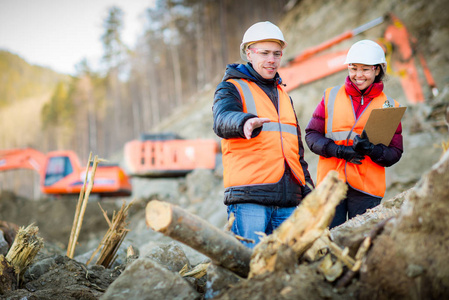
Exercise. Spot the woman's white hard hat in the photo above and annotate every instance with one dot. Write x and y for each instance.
(261, 31)
(366, 52)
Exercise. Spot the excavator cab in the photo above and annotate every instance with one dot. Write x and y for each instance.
(58, 167)
(65, 175)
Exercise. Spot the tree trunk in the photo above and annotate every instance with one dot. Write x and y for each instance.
(299, 232)
(222, 248)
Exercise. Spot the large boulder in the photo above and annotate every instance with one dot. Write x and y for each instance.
(146, 279)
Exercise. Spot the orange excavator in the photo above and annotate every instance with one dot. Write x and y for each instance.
(168, 155)
(315, 63)
(61, 173)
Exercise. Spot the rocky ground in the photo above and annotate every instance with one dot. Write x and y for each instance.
(407, 260)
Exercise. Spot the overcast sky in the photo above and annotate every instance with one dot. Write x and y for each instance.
(60, 33)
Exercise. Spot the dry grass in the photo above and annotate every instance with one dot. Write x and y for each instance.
(113, 238)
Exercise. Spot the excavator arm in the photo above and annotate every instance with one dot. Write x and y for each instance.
(311, 64)
(22, 159)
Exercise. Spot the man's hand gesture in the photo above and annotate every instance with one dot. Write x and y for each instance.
(252, 124)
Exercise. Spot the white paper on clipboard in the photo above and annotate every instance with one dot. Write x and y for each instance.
(382, 124)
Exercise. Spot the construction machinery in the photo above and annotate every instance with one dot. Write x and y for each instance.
(168, 155)
(61, 173)
(401, 49)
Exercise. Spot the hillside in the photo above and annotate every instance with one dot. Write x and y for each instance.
(307, 24)
(20, 80)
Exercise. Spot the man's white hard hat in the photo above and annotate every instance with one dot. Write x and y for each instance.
(366, 52)
(261, 31)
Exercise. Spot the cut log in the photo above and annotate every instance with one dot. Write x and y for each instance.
(302, 228)
(222, 248)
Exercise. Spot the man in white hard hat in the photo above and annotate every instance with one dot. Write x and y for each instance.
(265, 174)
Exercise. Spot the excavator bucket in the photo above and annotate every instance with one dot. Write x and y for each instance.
(26, 158)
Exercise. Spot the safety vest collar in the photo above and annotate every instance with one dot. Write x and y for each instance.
(251, 108)
(345, 135)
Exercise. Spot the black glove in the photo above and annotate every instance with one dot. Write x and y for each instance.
(348, 153)
(362, 144)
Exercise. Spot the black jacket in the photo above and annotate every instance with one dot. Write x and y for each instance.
(229, 119)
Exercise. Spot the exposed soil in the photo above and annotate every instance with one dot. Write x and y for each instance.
(54, 217)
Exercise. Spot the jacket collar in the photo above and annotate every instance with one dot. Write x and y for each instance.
(247, 72)
(370, 92)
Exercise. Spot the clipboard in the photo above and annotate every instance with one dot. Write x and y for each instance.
(382, 124)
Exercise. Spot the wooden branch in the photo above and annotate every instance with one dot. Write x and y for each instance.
(342, 254)
(84, 205)
(175, 222)
(228, 228)
(76, 220)
(197, 272)
(305, 225)
(361, 255)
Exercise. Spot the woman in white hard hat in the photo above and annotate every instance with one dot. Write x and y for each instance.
(335, 132)
(265, 173)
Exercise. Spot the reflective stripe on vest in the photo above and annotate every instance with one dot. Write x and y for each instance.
(342, 125)
(260, 160)
(342, 135)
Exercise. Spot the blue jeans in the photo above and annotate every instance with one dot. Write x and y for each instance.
(251, 218)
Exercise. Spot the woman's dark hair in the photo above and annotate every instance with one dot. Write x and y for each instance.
(382, 76)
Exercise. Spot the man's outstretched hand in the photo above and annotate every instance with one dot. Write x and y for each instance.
(252, 124)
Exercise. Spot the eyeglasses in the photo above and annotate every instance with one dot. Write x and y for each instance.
(266, 53)
(366, 70)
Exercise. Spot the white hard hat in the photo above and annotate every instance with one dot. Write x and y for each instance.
(366, 52)
(261, 31)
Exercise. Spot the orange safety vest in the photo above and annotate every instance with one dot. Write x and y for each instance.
(260, 160)
(342, 126)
